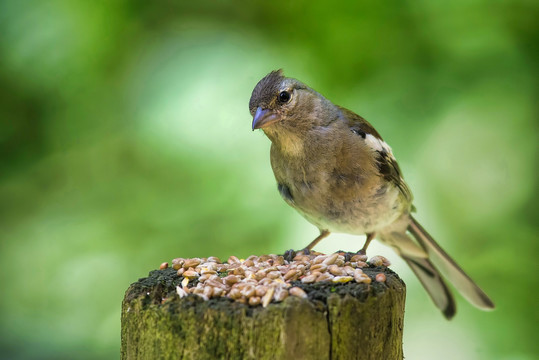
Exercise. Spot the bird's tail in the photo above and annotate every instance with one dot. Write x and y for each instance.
(430, 277)
(435, 285)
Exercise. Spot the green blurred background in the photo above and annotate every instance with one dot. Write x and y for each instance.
(125, 141)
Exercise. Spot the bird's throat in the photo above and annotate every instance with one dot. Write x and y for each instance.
(288, 144)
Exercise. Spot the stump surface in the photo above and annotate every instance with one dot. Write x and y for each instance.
(336, 321)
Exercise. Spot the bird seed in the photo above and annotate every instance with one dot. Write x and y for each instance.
(260, 280)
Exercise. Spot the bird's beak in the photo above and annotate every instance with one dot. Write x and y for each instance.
(263, 118)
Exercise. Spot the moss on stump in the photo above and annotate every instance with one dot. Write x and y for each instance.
(336, 321)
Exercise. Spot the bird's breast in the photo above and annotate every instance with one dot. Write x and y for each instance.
(337, 198)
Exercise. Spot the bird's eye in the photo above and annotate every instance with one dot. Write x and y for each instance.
(284, 96)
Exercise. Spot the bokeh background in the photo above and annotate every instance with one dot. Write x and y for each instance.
(125, 141)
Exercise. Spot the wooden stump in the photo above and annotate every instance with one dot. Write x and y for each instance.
(336, 321)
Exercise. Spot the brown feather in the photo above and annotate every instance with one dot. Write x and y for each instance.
(357, 122)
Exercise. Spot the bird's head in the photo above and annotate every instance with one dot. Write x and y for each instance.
(281, 104)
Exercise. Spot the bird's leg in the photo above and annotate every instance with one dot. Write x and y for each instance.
(323, 234)
(289, 255)
(363, 250)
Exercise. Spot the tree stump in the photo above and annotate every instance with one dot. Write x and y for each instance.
(336, 321)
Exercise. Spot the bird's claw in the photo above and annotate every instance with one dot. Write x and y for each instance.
(289, 255)
(348, 254)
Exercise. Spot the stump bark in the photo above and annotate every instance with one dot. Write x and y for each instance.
(336, 321)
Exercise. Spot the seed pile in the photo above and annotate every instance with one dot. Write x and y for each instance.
(263, 279)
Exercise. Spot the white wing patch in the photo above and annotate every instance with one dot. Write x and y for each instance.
(378, 145)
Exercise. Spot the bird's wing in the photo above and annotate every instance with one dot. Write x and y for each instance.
(389, 169)
(386, 162)
(359, 124)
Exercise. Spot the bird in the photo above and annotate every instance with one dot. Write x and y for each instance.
(334, 168)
